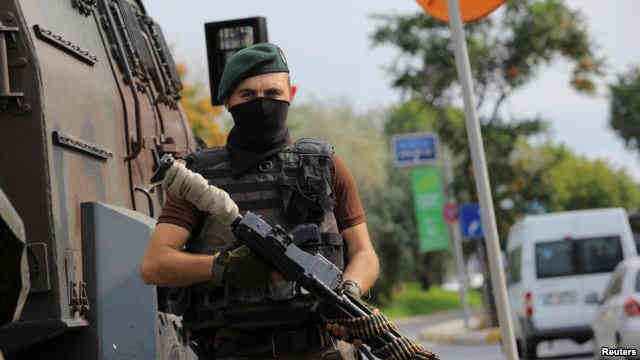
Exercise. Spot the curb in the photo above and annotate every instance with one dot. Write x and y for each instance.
(493, 336)
(485, 336)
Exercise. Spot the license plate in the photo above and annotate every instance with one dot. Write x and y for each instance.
(559, 298)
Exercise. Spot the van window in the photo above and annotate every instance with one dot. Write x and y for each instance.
(599, 254)
(577, 256)
(555, 259)
(638, 282)
(514, 260)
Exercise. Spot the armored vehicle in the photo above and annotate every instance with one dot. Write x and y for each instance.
(89, 102)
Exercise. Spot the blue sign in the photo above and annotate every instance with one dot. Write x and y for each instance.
(470, 221)
(414, 149)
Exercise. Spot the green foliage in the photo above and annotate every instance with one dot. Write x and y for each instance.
(393, 230)
(579, 183)
(410, 116)
(624, 109)
(387, 202)
(517, 182)
(415, 117)
(505, 53)
(356, 140)
(507, 50)
(415, 301)
(201, 114)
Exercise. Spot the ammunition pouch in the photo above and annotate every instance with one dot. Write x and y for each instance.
(330, 245)
(271, 343)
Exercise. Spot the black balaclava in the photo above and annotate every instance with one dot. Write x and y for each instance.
(259, 131)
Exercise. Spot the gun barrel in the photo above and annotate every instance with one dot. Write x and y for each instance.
(313, 272)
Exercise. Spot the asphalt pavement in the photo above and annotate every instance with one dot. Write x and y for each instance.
(558, 350)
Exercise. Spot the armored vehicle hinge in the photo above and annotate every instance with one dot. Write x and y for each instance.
(8, 98)
(76, 288)
(84, 298)
(78, 297)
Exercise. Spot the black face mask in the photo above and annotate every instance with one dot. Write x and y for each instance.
(260, 125)
(259, 132)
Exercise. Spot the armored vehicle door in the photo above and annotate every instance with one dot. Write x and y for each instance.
(149, 85)
(88, 99)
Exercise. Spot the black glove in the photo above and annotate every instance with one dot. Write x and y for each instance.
(352, 288)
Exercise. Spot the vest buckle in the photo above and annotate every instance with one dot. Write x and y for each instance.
(265, 166)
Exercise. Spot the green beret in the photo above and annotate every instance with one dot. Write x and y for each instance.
(254, 60)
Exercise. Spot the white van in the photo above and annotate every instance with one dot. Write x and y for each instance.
(557, 267)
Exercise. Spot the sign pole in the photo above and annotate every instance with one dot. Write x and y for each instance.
(456, 238)
(482, 180)
(462, 273)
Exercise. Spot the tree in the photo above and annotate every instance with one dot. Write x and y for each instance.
(506, 52)
(511, 179)
(354, 136)
(409, 117)
(624, 108)
(200, 113)
(387, 203)
(580, 183)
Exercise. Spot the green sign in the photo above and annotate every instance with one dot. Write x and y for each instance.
(428, 205)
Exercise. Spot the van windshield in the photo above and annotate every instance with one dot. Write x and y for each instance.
(577, 256)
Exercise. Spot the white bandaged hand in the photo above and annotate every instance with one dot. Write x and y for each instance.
(183, 183)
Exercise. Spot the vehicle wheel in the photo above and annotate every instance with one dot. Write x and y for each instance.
(529, 349)
(519, 347)
(596, 349)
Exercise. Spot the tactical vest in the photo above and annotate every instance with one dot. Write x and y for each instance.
(293, 187)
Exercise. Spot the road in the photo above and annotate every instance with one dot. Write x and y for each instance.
(558, 350)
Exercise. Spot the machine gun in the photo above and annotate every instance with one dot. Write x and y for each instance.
(313, 272)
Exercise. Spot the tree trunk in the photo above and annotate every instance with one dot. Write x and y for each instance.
(434, 268)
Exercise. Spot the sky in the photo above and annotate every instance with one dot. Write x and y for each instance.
(328, 47)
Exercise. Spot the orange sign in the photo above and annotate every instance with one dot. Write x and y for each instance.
(470, 10)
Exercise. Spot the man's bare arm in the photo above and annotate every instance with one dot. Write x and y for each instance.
(364, 266)
(165, 264)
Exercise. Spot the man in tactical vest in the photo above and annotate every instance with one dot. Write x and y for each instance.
(233, 305)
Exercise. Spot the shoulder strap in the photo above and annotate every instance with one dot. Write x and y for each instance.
(312, 147)
(321, 150)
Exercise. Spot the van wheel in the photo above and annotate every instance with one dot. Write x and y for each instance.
(530, 349)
